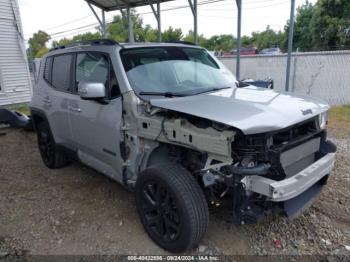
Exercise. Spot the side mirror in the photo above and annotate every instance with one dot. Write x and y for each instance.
(89, 90)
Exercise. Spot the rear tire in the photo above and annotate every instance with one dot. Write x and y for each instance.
(172, 207)
(51, 157)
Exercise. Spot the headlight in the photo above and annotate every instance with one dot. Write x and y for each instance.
(323, 119)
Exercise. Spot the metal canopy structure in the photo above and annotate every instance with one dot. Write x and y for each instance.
(122, 5)
(113, 5)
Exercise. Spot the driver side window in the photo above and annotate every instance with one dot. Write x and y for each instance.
(95, 67)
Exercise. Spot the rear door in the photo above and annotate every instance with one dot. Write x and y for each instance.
(96, 125)
(58, 85)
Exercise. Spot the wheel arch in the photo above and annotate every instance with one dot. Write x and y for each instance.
(38, 116)
(159, 155)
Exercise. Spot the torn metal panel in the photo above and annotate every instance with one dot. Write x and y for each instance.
(180, 131)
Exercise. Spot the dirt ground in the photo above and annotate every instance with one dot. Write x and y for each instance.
(77, 211)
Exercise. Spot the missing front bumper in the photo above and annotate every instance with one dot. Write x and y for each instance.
(278, 191)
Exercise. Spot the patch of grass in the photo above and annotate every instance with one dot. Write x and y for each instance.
(23, 108)
(339, 121)
(340, 114)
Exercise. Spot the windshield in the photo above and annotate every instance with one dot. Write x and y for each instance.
(174, 70)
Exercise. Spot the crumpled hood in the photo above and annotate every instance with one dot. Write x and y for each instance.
(252, 110)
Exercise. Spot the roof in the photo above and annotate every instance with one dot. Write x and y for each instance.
(111, 5)
(152, 44)
(100, 44)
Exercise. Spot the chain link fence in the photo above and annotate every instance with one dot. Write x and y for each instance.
(325, 75)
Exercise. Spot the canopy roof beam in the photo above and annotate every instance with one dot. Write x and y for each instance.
(194, 9)
(118, 7)
(127, 17)
(102, 21)
(130, 26)
(239, 25)
(157, 16)
(290, 43)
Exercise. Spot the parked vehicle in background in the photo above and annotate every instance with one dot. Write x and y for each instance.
(246, 51)
(169, 122)
(271, 51)
(266, 83)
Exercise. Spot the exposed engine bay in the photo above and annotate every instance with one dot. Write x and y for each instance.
(231, 167)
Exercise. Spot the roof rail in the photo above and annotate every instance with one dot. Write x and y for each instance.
(87, 42)
(181, 42)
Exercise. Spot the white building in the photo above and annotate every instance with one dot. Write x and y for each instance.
(15, 79)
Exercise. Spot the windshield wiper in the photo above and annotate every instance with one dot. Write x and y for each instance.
(212, 90)
(165, 94)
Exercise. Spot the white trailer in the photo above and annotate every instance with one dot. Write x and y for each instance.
(15, 78)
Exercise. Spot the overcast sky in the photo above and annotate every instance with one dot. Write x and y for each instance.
(65, 18)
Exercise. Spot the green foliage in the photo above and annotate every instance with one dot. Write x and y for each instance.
(268, 38)
(302, 32)
(37, 44)
(221, 42)
(118, 29)
(202, 41)
(43, 51)
(171, 35)
(87, 36)
(78, 38)
(329, 21)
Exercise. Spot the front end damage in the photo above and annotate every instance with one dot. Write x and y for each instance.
(280, 172)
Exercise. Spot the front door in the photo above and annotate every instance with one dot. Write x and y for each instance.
(96, 125)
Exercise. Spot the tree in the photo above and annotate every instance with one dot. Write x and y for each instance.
(78, 38)
(37, 44)
(118, 28)
(87, 36)
(61, 42)
(267, 38)
(329, 22)
(302, 33)
(221, 42)
(171, 35)
(202, 41)
(147, 34)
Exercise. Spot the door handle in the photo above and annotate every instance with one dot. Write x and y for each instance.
(75, 109)
(47, 100)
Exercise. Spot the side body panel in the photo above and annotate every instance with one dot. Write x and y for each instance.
(96, 134)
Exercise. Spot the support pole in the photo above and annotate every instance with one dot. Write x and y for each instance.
(104, 28)
(159, 22)
(239, 24)
(290, 43)
(195, 6)
(194, 9)
(157, 16)
(130, 26)
(102, 23)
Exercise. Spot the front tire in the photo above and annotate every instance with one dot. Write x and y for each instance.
(172, 207)
(50, 155)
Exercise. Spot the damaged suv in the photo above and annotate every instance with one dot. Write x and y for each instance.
(170, 122)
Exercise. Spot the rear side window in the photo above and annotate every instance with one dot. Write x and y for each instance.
(47, 69)
(61, 72)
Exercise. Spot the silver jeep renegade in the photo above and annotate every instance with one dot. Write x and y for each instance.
(171, 123)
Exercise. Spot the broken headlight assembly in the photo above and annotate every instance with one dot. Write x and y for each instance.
(323, 120)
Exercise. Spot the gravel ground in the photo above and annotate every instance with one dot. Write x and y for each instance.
(77, 211)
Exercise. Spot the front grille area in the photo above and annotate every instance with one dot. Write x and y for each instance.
(269, 147)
